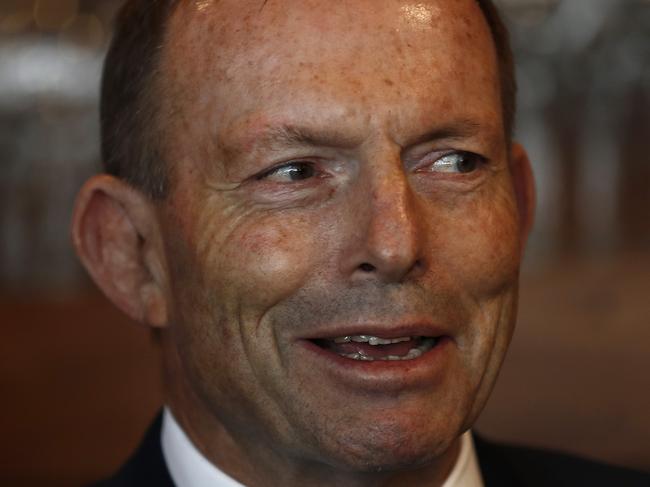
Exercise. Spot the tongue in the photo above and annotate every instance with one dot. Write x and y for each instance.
(374, 351)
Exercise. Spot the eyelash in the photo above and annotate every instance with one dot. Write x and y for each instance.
(266, 174)
(476, 159)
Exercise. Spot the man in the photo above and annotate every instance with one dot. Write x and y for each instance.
(319, 206)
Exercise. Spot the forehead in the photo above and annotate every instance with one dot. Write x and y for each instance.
(246, 24)
(342, 56)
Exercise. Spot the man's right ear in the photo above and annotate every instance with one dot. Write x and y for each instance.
(116, 235)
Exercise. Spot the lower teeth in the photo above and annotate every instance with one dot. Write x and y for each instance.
(426, 345)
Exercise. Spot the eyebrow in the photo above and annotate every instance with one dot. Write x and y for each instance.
(291, 135)
(455, 130)
(287, 135)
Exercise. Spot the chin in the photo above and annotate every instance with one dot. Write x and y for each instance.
(389, 458)
(395, 461)
(390, 447)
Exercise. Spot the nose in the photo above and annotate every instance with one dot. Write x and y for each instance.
(389, 233)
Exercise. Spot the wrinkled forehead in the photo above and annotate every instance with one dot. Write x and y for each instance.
(370, 52)
(225, 37)
(250, 22)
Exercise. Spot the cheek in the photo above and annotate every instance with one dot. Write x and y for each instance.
(483, 257)
(268, 259)
(484, 244)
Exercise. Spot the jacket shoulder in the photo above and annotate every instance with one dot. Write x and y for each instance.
(515, 466)
(147, 465)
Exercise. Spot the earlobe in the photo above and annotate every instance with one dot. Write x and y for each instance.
(115, 234)
(524, 186)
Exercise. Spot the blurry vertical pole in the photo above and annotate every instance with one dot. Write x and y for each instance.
(573, 32)
(599, 162)
(565, 117)
(615, 169)
(635, 167)
(599, 175)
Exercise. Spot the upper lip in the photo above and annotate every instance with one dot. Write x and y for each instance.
(383, 329)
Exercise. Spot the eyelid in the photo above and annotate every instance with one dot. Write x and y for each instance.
(270, 171)
(439, 154)
(429, 160)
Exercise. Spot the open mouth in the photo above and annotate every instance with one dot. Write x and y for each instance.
(371, 348)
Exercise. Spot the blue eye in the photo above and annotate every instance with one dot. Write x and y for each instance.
(294, 171)
(457, 162)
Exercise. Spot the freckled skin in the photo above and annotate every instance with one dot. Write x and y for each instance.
(255, 264)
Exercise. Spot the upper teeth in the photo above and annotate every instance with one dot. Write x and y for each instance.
(426, 344)
(372, 340)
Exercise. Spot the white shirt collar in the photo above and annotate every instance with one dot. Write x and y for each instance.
(189, 468)
(466, 472)
(187, 465)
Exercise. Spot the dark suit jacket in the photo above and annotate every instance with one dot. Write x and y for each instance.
(501, 466)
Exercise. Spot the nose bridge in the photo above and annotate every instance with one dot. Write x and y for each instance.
(391, 207)
(391, 236)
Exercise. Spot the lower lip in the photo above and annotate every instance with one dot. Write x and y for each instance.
(383, 375)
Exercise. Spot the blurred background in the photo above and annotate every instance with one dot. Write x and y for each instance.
(79, 383)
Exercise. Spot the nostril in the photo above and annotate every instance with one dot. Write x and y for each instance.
(365, 267)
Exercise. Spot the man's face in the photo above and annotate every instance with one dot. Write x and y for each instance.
(339, 171)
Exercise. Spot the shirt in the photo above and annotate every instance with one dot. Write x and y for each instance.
(189, 468)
